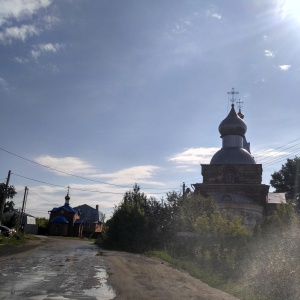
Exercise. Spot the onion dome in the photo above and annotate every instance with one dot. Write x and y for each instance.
(232, 155)
(240, 114)
(59, 219)
(232, 124)
(67, 198)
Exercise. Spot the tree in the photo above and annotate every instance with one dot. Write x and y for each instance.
(9, 206)
(11, 192)
(287, 180)
(128, 228)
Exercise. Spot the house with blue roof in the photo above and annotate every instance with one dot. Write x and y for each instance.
(62, 219)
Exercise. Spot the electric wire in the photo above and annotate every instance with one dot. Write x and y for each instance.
(31, 191)
(73, 175)
(74, 188)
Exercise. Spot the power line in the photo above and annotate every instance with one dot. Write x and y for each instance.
(63, 172)
(285, 153)
(83, 190)
(262, 147)
(42, 197)
(273, 159)
(73, 175)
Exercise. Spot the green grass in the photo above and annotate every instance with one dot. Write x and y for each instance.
(17, 239)
(205, 276)
(188, 266)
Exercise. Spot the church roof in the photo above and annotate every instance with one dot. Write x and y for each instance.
(232, 155)
(88, 214)
(232, 124)
(66, 207)
(59, 219)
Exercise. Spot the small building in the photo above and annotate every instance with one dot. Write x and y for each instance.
(26, 222)
(62, 219)
(91, 220)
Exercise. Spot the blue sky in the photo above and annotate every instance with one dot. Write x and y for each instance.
(123, 92)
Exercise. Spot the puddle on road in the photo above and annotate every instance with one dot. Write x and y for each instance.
(103, 291)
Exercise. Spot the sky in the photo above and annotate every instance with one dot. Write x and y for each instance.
(100, 95)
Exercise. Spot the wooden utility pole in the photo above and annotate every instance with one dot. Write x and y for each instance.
(23, 207)
(4, 196)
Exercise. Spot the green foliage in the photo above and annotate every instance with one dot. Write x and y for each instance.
(11, 191)
(211, 245)
(42, 222)
(283, 217)
(9, 206)
(138, 223)
(192, 208)
(287, 180)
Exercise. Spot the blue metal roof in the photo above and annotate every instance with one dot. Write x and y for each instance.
(68, 208)
(59, 219)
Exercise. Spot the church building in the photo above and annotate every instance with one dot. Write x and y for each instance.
(232, 177)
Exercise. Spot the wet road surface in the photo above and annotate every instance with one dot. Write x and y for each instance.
(58, 269)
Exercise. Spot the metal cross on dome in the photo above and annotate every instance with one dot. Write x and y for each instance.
(232, 94)
(239, 103)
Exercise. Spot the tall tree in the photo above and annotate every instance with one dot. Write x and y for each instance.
(287, 180)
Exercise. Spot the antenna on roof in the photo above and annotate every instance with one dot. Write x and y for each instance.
(232, 95)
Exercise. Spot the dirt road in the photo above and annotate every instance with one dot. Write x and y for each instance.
(73, 269)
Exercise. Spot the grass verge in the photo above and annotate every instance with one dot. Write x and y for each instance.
(204, 275)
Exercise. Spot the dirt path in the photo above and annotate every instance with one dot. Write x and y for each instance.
(139, 277)
(70, 269)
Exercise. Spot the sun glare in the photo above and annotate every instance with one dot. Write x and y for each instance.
(289, 9)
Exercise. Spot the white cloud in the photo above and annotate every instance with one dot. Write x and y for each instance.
(18, 9)
(50, 21)
(268, 155)
(21, 60)
(18, 33)
(213, 14)
(44, 48)
(194, 156)
(138, 174)
(49, 47)
(3, 84)
(269, 53)
(284, 67)
(71, 165)
(78, 167)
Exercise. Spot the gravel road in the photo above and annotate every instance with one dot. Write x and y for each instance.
(60, 268)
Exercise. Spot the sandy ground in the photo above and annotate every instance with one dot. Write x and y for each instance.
(131, 276)
(136, 276)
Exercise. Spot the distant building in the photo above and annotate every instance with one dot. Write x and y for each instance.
(27, 224)
(233, 178)
(91, 220)
(62, 219)
(80, 221)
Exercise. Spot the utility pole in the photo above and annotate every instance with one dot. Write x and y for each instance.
(23, 206)
(4, 195)
(183, 191)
